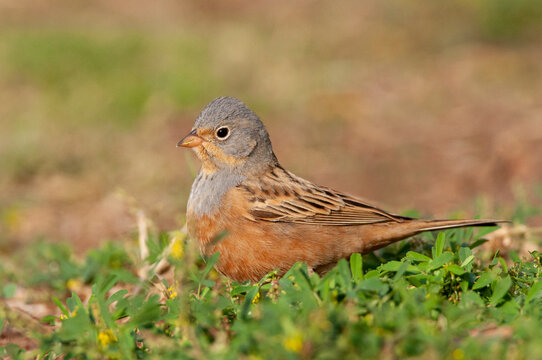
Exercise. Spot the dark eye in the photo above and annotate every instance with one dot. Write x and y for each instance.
(222, 133)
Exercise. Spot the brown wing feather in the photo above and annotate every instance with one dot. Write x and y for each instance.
(280, 196)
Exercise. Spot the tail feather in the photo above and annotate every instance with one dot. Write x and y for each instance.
(383, 234)
(432, 225)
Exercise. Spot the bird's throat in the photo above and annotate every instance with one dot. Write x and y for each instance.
(208, 190)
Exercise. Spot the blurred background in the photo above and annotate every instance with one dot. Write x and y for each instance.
(433, 106)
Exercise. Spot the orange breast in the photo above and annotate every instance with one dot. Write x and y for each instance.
(250, 249)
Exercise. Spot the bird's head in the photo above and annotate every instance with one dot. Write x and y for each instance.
(229, 136)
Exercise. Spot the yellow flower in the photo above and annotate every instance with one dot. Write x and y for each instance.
(458, 354)
(213, 275)
(177, 245)
(64, 316)
(73, 284)
(106, 337)
(256, 298)
(293, 343)
(171, 293)
(12, 218)
(334, 296)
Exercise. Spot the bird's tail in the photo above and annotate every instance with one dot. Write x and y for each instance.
(380, 235)
(431, 225)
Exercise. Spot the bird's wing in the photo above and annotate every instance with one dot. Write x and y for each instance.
(280, 196)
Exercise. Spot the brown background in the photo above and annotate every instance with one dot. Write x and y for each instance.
(433, 106)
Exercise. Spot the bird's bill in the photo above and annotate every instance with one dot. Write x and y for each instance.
(191, 140)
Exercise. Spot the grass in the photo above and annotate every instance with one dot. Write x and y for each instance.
(431, 297)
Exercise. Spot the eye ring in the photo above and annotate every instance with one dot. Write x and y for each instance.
(222, 133)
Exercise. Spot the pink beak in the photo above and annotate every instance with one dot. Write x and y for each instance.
(191, 140)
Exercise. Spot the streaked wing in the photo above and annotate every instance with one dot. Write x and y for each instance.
(280, 196)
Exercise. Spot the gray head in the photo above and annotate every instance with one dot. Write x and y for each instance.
(229, 136)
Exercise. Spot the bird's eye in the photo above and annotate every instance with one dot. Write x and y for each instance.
(222, 133)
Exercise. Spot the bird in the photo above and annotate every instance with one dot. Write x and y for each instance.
(261, 217)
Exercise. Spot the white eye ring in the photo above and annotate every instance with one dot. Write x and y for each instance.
(222, 133)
